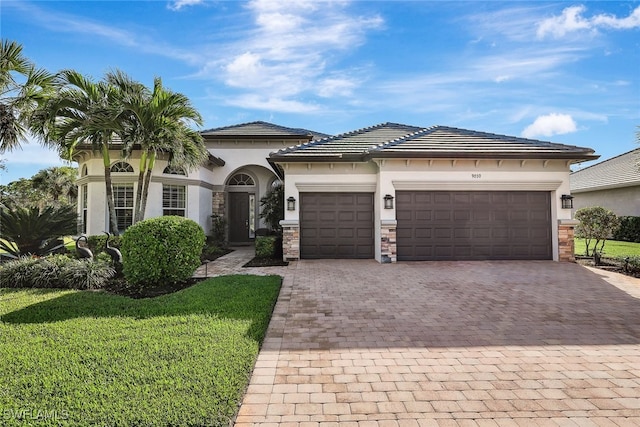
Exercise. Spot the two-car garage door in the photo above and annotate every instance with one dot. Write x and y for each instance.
(473, 225)
(432, 225)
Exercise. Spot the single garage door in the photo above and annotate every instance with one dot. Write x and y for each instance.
(473, 225)
(336, 225)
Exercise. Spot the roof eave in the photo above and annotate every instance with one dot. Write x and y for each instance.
(479, 155)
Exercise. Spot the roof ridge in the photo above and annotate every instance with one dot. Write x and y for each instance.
(607, 160)
(403, 138)
(263, 123)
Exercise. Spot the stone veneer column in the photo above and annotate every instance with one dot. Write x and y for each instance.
(290, 240)
(217, 200)
(566, 246)
(388, 246)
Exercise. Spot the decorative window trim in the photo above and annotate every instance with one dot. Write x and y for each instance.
(173, 170)
(121, 167)
(123, 199)
(241, 179)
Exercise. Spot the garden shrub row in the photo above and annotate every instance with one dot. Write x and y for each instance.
(629, 229)
(55, 271)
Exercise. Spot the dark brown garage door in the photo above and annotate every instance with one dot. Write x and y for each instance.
(473, 225)
(336, 225)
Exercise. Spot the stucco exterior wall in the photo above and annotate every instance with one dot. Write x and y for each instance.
(622, 201)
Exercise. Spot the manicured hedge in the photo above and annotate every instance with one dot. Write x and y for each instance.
(161, 251)
(629, 230)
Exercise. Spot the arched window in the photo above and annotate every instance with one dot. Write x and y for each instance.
(84, 171)
(173, 170)
(121, 167)
(241, 179)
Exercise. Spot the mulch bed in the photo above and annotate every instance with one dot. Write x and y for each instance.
(266, 262)
(609, 265)
(119, 286)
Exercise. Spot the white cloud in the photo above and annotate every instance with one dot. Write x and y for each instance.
(549, 125)
(572, 20)
(179, 4)
(272, 104)
(291, 50)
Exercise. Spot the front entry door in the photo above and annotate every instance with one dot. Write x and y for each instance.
(240, 217)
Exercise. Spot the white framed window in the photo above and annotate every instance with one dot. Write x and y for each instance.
(174, 200)
(241, 179)
(119, 167)
(123, 200)
(173, 170)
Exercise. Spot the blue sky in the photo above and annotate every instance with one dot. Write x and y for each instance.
(566, 72)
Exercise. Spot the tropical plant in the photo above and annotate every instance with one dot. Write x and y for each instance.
(158, 122)
(57, 182)
(85, 113)
(161, 251)
(22, 193)
(30, 230)
(23, 88)
(272, 205)
(55, 271)
(596, 223)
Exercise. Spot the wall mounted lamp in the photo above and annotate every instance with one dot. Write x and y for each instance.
(567, 201)
(388, 201)
(291, 203)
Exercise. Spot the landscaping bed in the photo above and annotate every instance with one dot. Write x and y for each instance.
(266, 262)
(85, 358)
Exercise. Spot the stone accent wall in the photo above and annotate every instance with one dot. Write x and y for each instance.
(290, 242)
(388, 246)
(218, 206)
(565, 243)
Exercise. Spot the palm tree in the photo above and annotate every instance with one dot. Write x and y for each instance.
(56, 182)
(85, 113)
(158, 121)
(23, 88)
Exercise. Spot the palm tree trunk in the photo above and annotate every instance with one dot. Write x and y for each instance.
(145, 193)
(137, 216)
(109, 187)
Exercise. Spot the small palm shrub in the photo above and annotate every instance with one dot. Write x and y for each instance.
(34, 231)
(161, 251)
(265, 247)
(55, 271)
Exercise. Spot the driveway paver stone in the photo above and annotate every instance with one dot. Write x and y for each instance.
(357, 343)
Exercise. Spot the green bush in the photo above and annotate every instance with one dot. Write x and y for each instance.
(218, 230)
(161, 251)
(629, 229)
(56, 271)
(265, 246)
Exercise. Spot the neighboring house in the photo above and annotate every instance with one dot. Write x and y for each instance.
(397, 192)
(388, 192)
(230, 184)
(613, 184)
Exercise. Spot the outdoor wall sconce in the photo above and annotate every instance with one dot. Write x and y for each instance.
(567, 201)
(388, 201)
(291, 203)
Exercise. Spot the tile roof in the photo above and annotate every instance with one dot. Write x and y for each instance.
(619, 171)
(260, 129)
(355, 143)
(389, 140)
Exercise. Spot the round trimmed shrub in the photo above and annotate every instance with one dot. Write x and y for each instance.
(160, 251)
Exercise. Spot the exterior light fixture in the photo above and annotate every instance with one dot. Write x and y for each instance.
(291, 203)
(567, 201)
(388, 201)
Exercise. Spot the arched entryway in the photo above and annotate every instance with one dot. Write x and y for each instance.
(242, 188)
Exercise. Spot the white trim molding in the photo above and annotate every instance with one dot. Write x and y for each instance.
(476, 186)
(336, 187)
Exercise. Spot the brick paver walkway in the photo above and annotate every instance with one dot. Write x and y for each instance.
(232, 263)
(357, 343)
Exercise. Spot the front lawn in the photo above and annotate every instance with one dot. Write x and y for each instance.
(82, 358)
(612, 248)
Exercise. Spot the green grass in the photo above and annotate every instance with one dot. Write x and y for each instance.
(81, 358)
(612, 248)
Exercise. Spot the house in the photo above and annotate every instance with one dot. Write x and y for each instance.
(396, 192)
(613, 184)
(229, 184)
(387, 192)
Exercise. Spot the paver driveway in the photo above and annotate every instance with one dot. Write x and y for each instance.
(357, 343)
